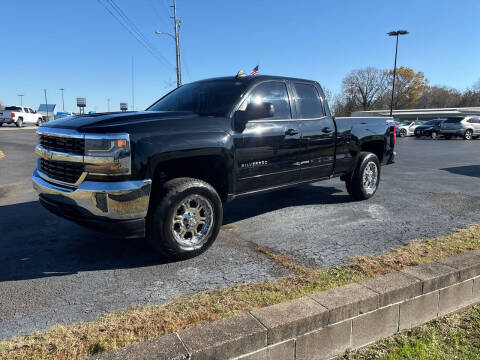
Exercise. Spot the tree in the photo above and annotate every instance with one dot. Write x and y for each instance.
(364, 88)
(439, 97)
(409, 85)
(470, 97)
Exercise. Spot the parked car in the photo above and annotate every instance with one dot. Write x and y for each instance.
(407, 128)
(429, 128)
(165, 172)
(20, 115)
(466, 127)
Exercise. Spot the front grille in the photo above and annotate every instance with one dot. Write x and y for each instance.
(62, 171)
(63, 144)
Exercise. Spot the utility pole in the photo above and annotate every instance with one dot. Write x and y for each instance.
(21, 99)
(108, 105)
(395, 33)
(177, 43)
(176, 38)
(46, 103)
(63, 102)
(133, 89)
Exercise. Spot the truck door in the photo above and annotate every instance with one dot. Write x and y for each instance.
(268, 151)
(318, 132)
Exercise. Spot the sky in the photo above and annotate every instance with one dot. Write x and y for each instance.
(81, 47)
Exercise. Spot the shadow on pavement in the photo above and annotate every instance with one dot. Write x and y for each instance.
(35, 243)
(469, 170)
(248, 207)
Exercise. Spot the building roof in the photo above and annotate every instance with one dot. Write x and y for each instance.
(422, 113)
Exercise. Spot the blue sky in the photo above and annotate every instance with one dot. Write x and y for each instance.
(79, 46)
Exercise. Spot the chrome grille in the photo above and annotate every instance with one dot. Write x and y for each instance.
(62, 171)
(63, 144)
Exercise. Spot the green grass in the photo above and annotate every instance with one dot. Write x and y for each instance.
(456, 336)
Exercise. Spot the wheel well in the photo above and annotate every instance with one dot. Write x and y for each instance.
(375, 147)
(211, 169)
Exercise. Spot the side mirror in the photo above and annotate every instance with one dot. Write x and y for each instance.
(253, 112)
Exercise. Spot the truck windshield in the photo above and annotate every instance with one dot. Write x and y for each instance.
(206, 98)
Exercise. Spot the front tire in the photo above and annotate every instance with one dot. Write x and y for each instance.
(40, 122)
(19, 123)
(434, 135)
(185, 218)
(468, 135)
(364, 181)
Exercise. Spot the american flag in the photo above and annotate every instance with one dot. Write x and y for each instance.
(255, 70)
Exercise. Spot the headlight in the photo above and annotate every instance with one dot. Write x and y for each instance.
(107, 154)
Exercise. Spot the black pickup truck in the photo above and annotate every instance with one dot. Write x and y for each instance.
(164, 173)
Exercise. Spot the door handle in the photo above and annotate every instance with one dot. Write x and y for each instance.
(291, 132)
(326, 130)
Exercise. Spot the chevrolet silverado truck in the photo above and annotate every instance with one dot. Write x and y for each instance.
(164, 173)
(20, 115)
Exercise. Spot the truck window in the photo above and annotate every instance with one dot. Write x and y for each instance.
(13, 108)
(308, 102)
(26, 110)
(274, 92)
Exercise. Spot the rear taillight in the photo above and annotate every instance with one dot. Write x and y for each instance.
(13, 115)
(394, 133)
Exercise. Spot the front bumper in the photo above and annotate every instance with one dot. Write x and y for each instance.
(108, 206)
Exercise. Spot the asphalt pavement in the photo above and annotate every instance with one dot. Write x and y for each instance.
(53, 271)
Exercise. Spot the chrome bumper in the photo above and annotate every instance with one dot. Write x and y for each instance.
(122, 200)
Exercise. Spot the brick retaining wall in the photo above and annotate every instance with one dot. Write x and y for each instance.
(325, 324)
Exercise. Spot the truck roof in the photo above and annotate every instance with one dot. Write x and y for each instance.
(250, 78)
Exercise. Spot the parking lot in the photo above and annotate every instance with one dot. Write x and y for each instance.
(54, 271)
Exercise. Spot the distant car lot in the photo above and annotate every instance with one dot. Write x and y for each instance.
(55, 271)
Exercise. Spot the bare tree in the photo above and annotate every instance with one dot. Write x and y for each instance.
(438, 97)
(365, 88)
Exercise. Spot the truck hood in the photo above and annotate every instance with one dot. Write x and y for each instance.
(104, 121)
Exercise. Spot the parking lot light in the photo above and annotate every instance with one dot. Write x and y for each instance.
(396, 34)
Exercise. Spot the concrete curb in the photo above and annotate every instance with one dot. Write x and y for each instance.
(326, 324)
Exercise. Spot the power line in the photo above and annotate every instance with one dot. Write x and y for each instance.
(136, 34)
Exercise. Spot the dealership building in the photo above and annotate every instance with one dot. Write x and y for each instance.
(421, 114)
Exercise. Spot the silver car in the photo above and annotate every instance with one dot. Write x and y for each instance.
(466, 127)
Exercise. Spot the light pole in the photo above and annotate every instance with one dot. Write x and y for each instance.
(108, 105)
(395, 33)
(63, 102)
(175, 38)
(21, 99)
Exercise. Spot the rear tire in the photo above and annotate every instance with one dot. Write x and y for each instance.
(434, 135)
(402, 133)
(185, 218)
(19, 122)
(39, 122)
(364, 181)
(468, 135)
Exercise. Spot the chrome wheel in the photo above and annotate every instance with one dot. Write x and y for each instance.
(192, 221)
(468, 135)
(434, 135)
(370, 177)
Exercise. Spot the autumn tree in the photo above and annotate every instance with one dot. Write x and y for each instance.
(364, 88)
(409, 86)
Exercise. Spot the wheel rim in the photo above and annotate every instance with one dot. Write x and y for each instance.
(192, 221)
(370, 177)
(468, 135)
(403, 133)
(434, 135)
